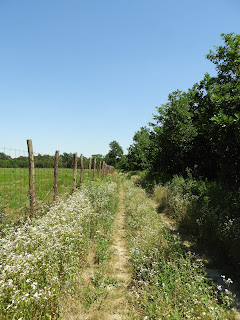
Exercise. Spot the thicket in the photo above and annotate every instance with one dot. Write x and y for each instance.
(194, 142)
(207, 210)
(198, 129)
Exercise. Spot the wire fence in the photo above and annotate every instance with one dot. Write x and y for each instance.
(15, 176)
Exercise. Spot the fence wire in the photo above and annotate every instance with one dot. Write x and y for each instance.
(14, 180)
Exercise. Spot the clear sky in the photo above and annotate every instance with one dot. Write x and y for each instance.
(75, 75)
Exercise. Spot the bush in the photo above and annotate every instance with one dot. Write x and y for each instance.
(209, 210)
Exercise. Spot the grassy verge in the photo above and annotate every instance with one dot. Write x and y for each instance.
(208, 210)
(39, 260)
(168, 282)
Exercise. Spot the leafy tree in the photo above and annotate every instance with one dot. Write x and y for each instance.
(198, 129)
(216, 108)
(67, 160)
(174, 133)
(99, 157)
(113, 157)
(139, 151)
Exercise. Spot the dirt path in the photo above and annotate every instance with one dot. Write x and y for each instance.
(115, 305)
(112, 302)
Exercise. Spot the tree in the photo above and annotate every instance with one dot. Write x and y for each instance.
(113, 157)
(173, 134)
(99, 157)
(216, 107)
(139, 151)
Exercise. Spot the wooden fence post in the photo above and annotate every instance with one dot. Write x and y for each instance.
(82, 168)
(103, 169)
(75, 171)
(90, 168)
(99, 169)
(94, 168)
(31, 177)
(56, 159)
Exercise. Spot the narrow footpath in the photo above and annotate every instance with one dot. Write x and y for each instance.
(115, 306)
(111, 301)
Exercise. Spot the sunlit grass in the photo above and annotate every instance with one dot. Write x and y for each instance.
(40, 259)
(168, 282)
(14, 186)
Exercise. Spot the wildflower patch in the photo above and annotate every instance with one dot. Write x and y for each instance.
(168, 282)
(40, 259)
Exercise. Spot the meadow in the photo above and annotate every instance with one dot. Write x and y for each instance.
(41, 258)
(14, 186)
(45, 270)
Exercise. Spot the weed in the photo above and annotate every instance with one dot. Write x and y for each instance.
(39, 259)
(168, 283)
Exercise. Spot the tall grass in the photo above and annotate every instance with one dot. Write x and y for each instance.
(40, 259)
(168, 282)
(208, 210)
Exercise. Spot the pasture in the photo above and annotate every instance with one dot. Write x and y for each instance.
(14, 186)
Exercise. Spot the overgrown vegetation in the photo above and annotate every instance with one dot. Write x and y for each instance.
(197, 129)
(206, 209)
(40, 259)
(194, 142)
(169, 283)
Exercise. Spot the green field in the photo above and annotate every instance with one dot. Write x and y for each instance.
(14, 199)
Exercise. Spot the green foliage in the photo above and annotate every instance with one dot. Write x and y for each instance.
(164, 276)
(138, 153)
(40, 259)
(66, 160)
(174, 132)
(198, 129)
(208, 210)
(99, 157)
(113, 157)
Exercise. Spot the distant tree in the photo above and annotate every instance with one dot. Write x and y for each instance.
(99, 157)
(67, 160)
(113, 157)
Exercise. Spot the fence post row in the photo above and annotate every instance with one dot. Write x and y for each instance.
(56, 159)
(31, 177)
(102, 170)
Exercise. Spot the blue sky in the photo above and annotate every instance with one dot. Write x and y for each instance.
(75, 75)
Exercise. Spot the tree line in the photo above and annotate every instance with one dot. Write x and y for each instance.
(66, 160)
(197, 130)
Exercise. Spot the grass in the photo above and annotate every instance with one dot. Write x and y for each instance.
(208, 210)
(14, 199)
(92, 286)
(41, 258)
(169, 283)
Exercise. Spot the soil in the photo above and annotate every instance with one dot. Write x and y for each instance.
(113, 304)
